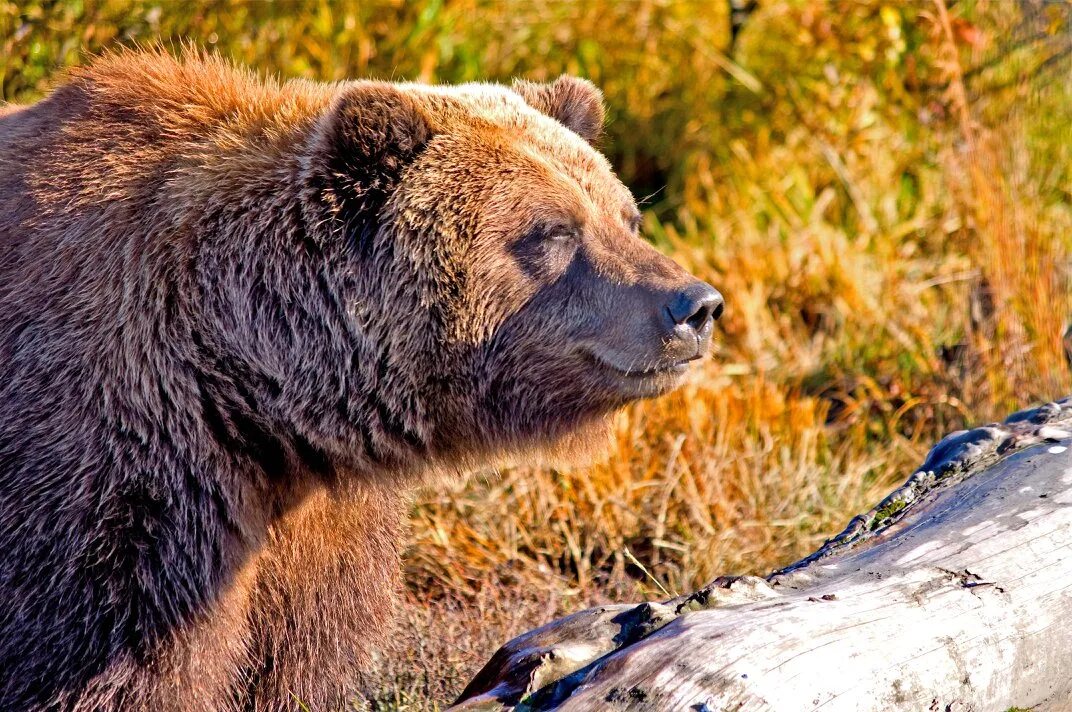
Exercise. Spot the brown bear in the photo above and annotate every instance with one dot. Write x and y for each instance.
(241, 319)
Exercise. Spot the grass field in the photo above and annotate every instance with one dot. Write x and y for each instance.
(882, 190)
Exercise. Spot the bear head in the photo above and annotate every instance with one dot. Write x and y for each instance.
(488, 262)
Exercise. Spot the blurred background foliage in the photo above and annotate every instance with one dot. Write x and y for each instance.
(881, 188)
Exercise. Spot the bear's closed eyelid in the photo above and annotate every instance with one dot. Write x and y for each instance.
(564, 234)
(555, 232)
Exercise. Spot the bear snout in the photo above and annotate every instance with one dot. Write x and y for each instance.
(691, 314)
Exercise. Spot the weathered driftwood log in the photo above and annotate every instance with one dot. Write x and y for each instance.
(954, 593)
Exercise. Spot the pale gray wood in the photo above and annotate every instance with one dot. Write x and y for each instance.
(953, 593)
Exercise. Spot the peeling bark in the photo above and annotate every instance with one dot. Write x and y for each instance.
(953, 593)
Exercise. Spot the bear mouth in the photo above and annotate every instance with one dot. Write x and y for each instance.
(645, 380)
(671, 369)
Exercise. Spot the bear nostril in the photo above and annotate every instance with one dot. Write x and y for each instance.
(696, 307)
(717, 313)
(699, 320)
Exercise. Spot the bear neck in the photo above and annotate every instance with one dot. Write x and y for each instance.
(150, 334)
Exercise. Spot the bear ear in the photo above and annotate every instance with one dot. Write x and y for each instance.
(575, 103)
(361, 145)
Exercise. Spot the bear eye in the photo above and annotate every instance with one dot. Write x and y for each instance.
(560, 233)
(564, 234)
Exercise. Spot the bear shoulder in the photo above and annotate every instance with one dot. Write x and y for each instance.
(197, 88)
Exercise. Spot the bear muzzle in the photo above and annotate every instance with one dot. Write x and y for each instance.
(654, 352)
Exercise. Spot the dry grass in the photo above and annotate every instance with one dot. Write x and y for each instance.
(881, 190)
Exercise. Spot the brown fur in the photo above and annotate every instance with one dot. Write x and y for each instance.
(241, 319)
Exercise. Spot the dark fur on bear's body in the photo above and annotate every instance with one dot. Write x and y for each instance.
(238, 321)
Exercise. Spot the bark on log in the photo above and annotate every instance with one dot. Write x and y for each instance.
(953, 593)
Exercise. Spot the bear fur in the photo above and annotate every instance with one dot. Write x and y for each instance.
(240, 320)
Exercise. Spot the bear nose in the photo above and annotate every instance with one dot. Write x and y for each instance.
(695, 308)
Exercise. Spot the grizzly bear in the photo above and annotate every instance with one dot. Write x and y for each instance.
(241, 319)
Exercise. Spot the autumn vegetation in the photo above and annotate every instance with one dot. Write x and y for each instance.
(882, 190)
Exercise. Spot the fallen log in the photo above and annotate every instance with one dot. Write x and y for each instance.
(953, 593)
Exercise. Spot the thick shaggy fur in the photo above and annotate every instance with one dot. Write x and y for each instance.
(238, 320)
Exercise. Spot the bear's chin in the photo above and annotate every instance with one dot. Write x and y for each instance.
(625, 385)
(650, 385)
(587, 443)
